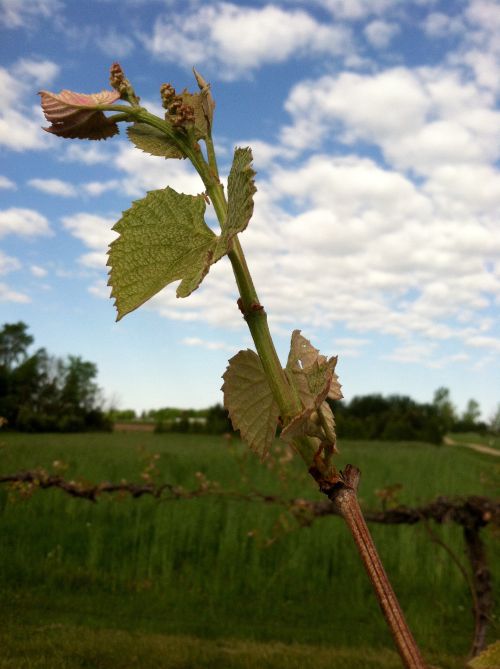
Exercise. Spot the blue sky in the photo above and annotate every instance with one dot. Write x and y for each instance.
(375, 127)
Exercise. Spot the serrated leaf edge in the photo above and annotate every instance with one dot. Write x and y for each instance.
(273, 410)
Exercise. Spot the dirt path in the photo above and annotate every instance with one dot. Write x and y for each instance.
(480, 448)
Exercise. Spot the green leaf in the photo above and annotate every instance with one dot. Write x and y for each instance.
(488, 659)
(163, 238)
(240, 191)
(249, 400)
(152, 141)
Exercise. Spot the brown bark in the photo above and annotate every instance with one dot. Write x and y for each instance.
(344, 498)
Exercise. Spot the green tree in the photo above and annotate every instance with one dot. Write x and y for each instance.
(79, 392)
(472, 412)
(445, 410)
(14, 344)
(40, 392)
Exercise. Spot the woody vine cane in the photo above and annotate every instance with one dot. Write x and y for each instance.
(164, 238)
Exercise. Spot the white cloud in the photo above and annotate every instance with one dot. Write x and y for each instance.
(209, 345)
(420, 119)
(437, 24)
(380, 33)
(479, 48)
(94, 260)
(99, 289)
(25, 222)
(485, 67)
(38, 272)
(7, 263)
(491, 343)
(466, 190)
(9, 295)
(41, 72)
(21, 13)
(425, 354)
(7, 183)
(361, 103)
(19, 122)
(356, 9)
(88, 155)
(54, 187)
(484, 14)
(351, 188)
(145, 172)
(232, 40)
(349, 347)
(364, 248)
(97, 188)
(114, 44)
(266, 154)
(94, 231)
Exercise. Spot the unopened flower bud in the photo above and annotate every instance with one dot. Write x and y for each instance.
(121, 84)
(167, 93)
(183, 116)
(116, 76)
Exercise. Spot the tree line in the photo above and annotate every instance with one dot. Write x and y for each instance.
(399, 417)
(40, 392)
(395, 417)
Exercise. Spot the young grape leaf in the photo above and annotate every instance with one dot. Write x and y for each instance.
(319, 424)
(310, 372)
(312, 375)
(327, 420)
(303, 354)
(208, 103)
(488, 659)
(249, 400)
(240, 191)
(163, 238)
(197, 102)
(301, 425)
(335, 392)
(77, 115)
(152, 141)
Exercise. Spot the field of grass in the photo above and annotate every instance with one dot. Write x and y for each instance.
(189, 575)
(474, 438)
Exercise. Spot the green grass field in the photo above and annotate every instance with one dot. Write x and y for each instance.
(474, 438)
(196, 583)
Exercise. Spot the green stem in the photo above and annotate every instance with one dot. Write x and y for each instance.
(212, 160)
(251, 308)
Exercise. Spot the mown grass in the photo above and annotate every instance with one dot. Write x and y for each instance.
(217, 568)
